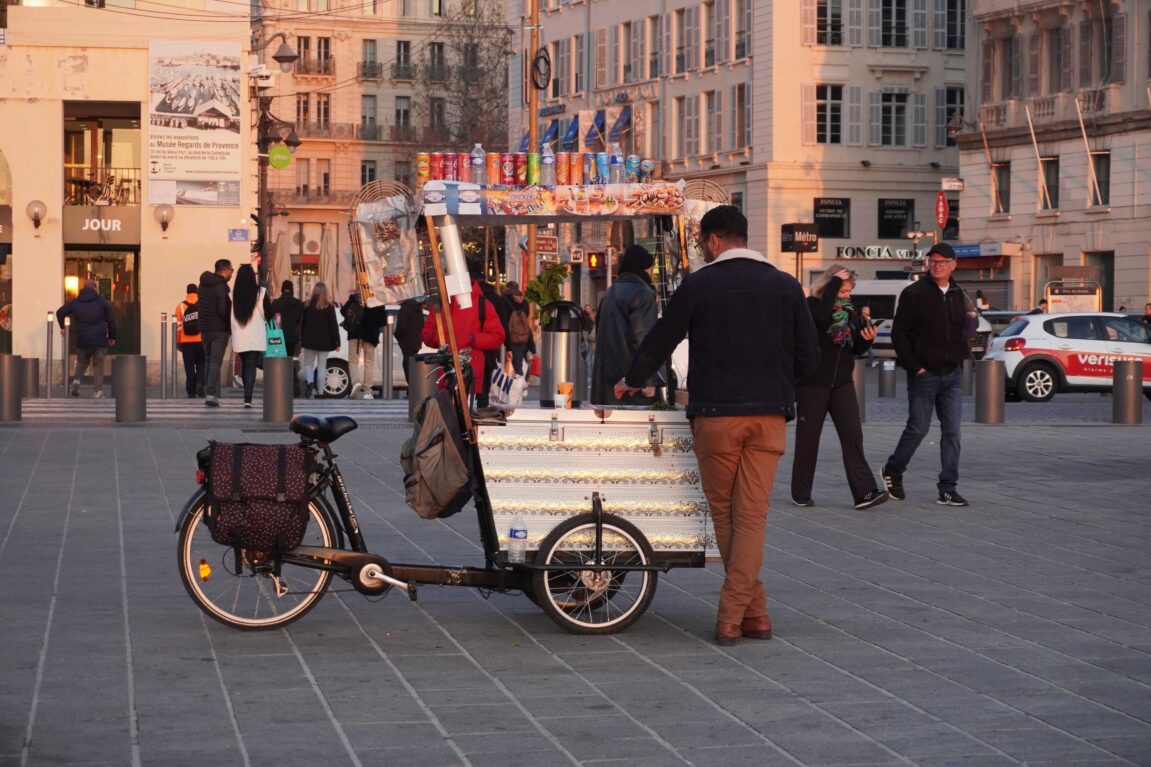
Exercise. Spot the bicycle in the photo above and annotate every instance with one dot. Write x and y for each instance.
(594, 573)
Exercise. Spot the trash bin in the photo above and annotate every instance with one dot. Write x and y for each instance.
(130, 383)
(560, 358)
(278, 379)
(31, 388)
(11, 375)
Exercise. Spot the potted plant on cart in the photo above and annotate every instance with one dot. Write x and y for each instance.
(542, 291)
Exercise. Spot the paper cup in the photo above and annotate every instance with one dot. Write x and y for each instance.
(562, 401)
(564, 389)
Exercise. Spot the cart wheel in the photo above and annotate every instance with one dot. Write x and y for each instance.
(587, 601)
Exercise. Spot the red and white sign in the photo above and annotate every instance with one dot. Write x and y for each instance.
(942, 209)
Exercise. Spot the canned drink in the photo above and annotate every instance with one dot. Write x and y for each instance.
(647, 171)
(451, 166)
(575, 168)
(533, 168)
(423, 168)
(436, 166)
(562, 175)
(508, 169)
(495, 174)
(590, 168)
(602, 167)
(464, 171)
(521, 169)
(631, 169)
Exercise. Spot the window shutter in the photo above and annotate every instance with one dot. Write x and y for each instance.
(1119, 48)
(732, 134)
(1016, 67)
(692, 18)
(692, 104)
(1034, 48)
(807, 22)
(855, 23)
(807, 110)
(875, 135)
(875, 23)
(747, 34)
(723, 32)
(987, 73)
(918, 23)
(613, 61)
(565, 66)
(1068, 72)
(919, 119)
(600, 58)
(940, 118)
(939, 25)
(637, 72)
(1085, 55)
(854, 115)
(717, 121)
(667, 55)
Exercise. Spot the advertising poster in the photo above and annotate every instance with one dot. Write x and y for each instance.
(194, 114)
(386, 250)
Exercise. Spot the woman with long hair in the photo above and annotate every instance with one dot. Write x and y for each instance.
(626, 313)
(249, 334)
(319, 335)
(843, 334)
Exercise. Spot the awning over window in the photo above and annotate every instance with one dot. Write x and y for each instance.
(622, 123)
(595, 132)
(571, 137)
(552, 132)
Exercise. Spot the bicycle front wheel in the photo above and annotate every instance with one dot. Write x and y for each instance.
(243, 592)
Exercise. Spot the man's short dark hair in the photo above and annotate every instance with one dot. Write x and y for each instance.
(287, 286)
(222, 263)
(726, 222)
(192, 288)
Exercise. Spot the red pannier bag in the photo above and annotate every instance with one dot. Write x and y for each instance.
(258, 495)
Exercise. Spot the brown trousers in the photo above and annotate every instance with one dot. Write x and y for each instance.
(737, 457)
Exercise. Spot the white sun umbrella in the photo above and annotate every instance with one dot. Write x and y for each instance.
(329, 269)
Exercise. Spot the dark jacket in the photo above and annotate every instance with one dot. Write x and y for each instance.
(836, 363)
(929, 327)
(524, 308)
(319, 329)
(372, 321)
(501, 304)
(291, 311)
(92, 317)
(626, 315)
(409, 327)
(751, 337)
(215, 304)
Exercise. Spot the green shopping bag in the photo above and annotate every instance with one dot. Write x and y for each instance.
(276, 346)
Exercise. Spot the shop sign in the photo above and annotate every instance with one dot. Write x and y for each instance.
(833, 216)
(877, 253)
(101, 225)
(5, 224)
(554, 109)
(951, 184)
(896, 217)
(547, 245)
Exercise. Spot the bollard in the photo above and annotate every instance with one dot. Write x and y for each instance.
(968, 377)
(386, 366)
(48, 353)
(887, 379)
(130, 386)
(1127, 392)
(990, 391)
(421, 384)
(278, 381)
(163, 355)
(30, 386)
(859, 377)
(11, 371)
(175, 349)
(64, 353)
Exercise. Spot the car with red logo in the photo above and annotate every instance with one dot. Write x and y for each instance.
(1049, 353)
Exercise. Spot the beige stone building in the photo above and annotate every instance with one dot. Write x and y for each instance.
(1056, 153)
(830, 112)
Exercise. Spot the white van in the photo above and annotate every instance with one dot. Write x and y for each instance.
(883, 298)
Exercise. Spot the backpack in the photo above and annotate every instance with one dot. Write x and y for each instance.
(191, 319)
(436, 462)
(353, 312)
(519, 329)
(258, 495)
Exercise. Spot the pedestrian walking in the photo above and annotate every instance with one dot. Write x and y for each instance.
(95, 333)
(843, 335)
(492, 357)
(290, 311)
(740, 396)
(477, 328)
(250, 309)
(363, 325)
(190, 342)
(930, 336)
(319, 335)
(409, 329)
(520, 339)
(215, 324)
(627, 312)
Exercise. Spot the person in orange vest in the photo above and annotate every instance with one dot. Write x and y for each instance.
(189, 343)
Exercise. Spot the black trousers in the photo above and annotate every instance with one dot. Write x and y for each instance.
(813, 405)
(194, 367)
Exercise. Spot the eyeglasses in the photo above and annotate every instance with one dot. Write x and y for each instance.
(936, 263)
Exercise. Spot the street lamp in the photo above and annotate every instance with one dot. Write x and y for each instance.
(285, 56)
(270, 130)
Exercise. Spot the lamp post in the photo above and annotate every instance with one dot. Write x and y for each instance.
(270, 130)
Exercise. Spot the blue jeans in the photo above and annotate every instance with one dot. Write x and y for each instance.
(926, 392)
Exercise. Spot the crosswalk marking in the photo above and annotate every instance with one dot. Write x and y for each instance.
(231, 411)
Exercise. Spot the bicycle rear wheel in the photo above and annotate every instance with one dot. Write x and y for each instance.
(245, 594)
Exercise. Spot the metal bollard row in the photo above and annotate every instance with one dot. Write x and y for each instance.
(990, 391)
(1127, 392)
(11, 375)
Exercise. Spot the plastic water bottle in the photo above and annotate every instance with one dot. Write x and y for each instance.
(548, 166)
(518, 539)
(478, 159)
(617, 162)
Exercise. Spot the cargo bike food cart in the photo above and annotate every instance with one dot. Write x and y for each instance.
(610, 498)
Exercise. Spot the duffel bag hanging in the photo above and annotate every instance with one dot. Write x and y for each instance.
(258, 495)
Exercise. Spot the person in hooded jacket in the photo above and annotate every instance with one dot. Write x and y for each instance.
(250, 306)
(477, 328)
(626, 313)
(191, 345)
(215, 324)
(319, 335)
(409, 331)
(290, 310)
(843, 334)
(95, 332)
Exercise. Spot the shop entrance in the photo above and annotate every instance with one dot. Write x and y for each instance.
(117, 277)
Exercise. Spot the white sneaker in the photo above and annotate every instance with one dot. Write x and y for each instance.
(355, 390)
(367, 395)
(98, 394)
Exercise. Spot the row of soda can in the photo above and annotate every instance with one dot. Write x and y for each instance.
(531, 168)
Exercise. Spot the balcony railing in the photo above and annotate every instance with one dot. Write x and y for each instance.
(434, 136)
(740, 45)
(709, 53)
(403, 133)
(321, 67)
(311, 196)
(469, 73)
(403, 72)
(370, 132)
(104, 186)
(369, 70)
(436, 73)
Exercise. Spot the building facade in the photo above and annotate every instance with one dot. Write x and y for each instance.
(825, 112)
(1056, 151)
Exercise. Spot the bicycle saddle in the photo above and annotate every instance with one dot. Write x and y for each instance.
(322, 429)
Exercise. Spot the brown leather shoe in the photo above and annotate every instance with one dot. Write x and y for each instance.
(756, 628)
(726, 634)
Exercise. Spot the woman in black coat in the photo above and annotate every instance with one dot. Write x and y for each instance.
(627, 312)
(319, 334)
(843, 334)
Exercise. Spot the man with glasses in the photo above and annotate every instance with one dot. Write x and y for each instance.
(930, 339)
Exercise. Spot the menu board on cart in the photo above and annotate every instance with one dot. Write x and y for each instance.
(449, 198)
